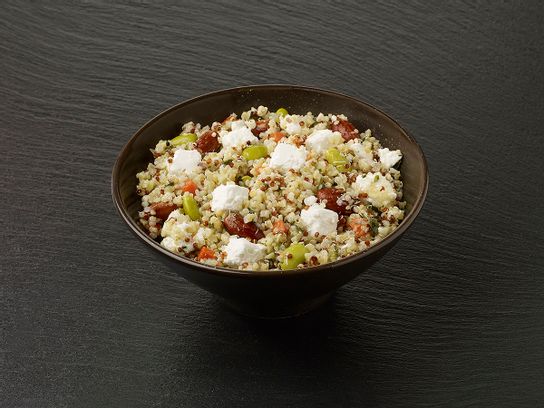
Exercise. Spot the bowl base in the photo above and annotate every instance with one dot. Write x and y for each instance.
(275, 311)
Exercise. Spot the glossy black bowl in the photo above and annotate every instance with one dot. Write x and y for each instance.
(272, 293)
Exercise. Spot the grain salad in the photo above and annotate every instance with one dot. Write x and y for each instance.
(271, 190)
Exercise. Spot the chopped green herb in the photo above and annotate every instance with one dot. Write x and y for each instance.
(374, 224)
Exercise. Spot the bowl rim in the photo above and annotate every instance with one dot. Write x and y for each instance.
(254, 274)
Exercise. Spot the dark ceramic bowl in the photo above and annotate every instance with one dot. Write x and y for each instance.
(273, 293)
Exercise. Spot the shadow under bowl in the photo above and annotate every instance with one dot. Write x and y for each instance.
(270, 294)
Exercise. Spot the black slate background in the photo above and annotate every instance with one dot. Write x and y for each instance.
(452, 317)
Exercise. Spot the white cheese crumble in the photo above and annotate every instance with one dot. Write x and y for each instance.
(185, 161)
(239, 135)
(322, 140)
(389, 157)
(287, 156)
(179, 226)
(173, 217)
(170, 244)
(293, 128)
(362, 152)
(229, 197)
(319, 219)
(178, 231)
(381, 192)
(237, 124)
(202, 235)
(311, 200)
(240, 250)
(290, 124)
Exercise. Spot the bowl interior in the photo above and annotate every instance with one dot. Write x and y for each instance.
(216, 106)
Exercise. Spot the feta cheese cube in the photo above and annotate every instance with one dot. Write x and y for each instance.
(229, 197)
(319, 219)
(380, 191)
(240, 250)
(237, 124)
(179, 226)
(293, 128)
(311, 200)
(170, 244)
(322, 140)
(185, 161)
(389, 157)
(290, 124)
(287, 156)
(239, 135)
(178, 231)
(362, 152)
(201, 235)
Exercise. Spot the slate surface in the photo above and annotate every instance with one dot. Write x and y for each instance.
(452, 317)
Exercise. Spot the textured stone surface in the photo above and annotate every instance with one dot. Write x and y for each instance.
(453, 316)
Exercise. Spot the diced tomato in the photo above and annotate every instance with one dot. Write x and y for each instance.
(235, 225)
(346, 129)
(332, 198)
(163, 210)
(279, 227)
(189, 186)
(206, 253)
(260, 126)
(208, 142)
(360, 227)
(277, 136)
